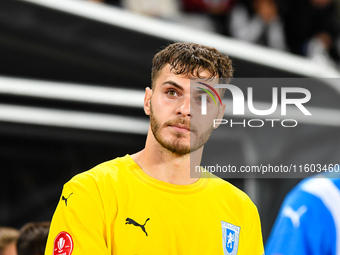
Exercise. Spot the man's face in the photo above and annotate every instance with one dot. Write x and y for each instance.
(175, 113)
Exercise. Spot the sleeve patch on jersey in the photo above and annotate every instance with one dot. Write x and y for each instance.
(63, 244)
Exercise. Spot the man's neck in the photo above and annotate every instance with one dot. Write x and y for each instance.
(166, 166)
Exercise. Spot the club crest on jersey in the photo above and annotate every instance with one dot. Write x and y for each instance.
(230, 238)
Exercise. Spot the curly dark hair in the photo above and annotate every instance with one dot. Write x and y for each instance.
(192, 59)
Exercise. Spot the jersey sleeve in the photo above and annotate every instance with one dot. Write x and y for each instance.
(254, 242)
(303, 226)
(78, 224)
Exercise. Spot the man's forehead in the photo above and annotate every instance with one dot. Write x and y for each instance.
(169, 76)
(207, 82)
(197, 73)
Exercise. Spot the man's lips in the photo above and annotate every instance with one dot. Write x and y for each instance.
(180, 128)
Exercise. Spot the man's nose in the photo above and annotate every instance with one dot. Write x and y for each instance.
(184, 107)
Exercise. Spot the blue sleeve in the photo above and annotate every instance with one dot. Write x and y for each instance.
(304, 226)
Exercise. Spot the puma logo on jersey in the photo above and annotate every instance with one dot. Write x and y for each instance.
(65, 199)
(294, 215)
(131, 221)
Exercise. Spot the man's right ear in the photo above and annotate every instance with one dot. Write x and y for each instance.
(147, 100)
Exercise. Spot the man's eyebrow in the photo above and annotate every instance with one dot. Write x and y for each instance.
(200, 91)
(173, 84)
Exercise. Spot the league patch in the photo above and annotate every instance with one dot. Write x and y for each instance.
(63, 244)
(230, 238)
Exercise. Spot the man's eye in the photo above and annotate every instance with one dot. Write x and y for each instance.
(199, 98)
(171, 92)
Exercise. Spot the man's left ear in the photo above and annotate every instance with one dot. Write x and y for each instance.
(220, 114)
(147, 100)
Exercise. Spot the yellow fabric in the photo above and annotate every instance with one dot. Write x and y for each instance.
(183, 219)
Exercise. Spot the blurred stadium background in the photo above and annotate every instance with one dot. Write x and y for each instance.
(72, 78)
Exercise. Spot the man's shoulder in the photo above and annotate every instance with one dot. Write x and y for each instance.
(106, 171)
(320, 185)
(317, 193)
(227, 190)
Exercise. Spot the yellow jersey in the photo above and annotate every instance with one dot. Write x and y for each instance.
(115, 208)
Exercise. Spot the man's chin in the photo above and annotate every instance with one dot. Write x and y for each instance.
(173, 141)
(177, 147)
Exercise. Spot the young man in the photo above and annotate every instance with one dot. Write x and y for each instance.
(147, 203)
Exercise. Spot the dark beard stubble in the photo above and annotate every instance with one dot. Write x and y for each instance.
(176, 146)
